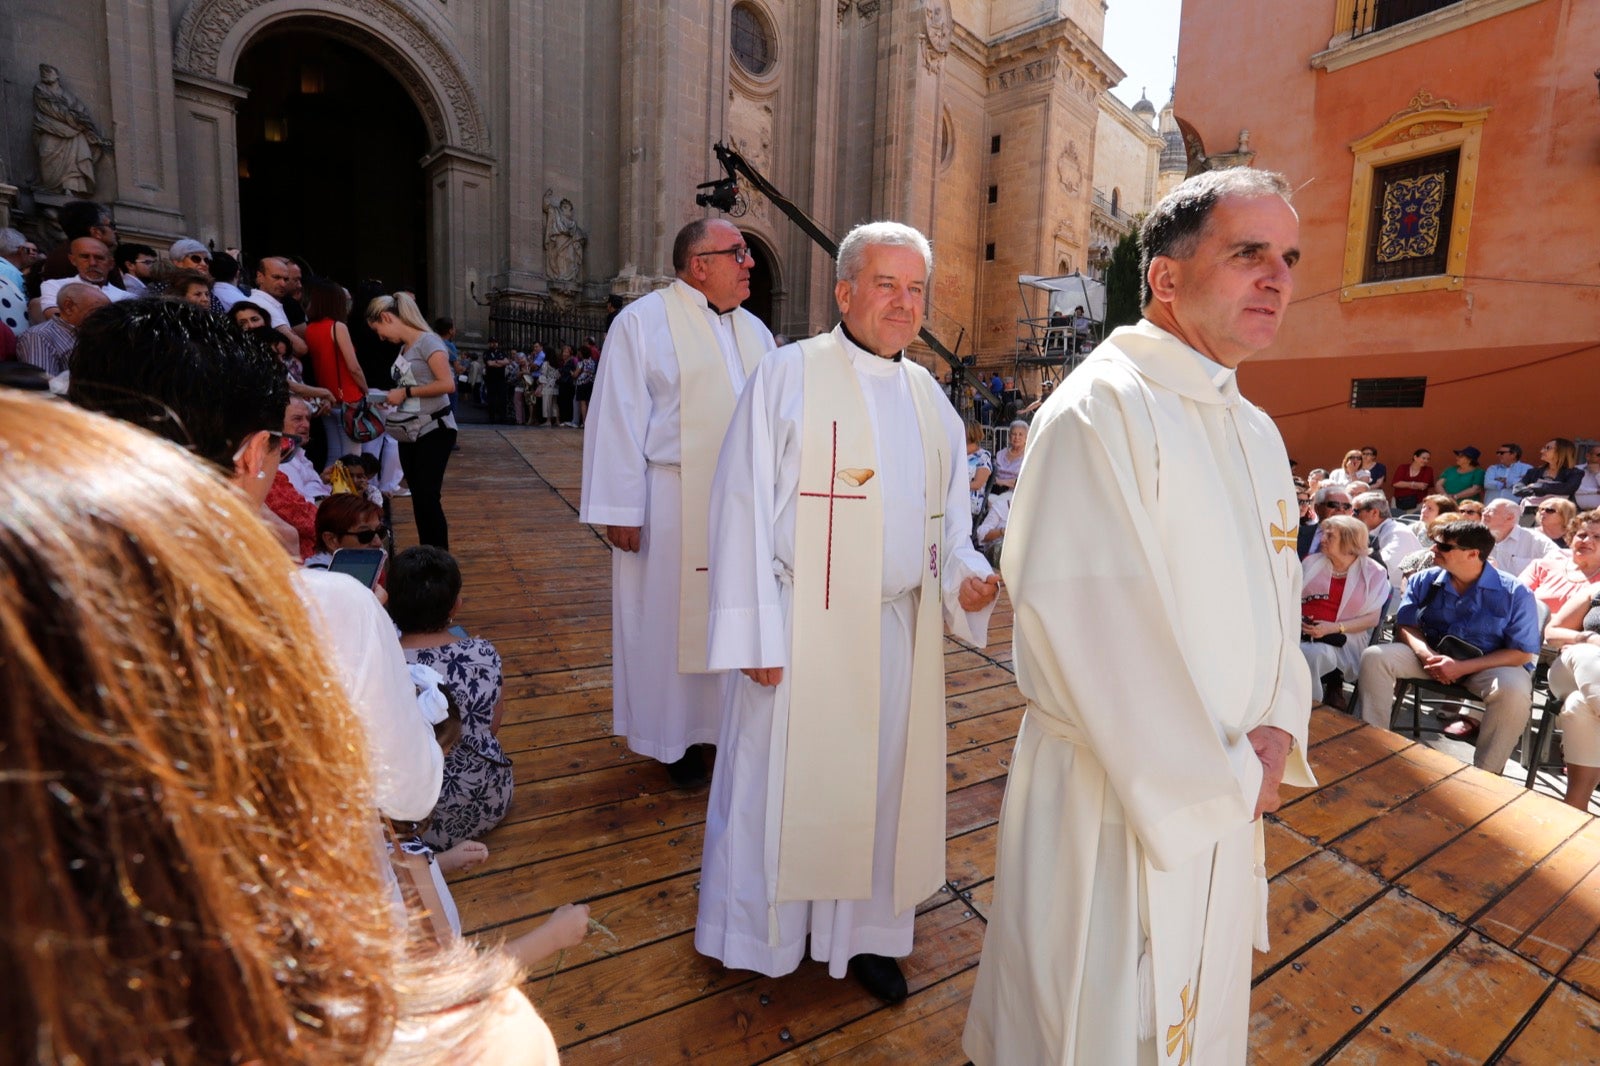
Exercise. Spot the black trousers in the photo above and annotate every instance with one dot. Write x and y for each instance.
(424, 461)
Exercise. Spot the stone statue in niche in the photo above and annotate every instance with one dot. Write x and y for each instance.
(936, 30)
(564, 242)
(66, 137)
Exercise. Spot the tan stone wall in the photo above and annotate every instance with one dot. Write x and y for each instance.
(1125, 156)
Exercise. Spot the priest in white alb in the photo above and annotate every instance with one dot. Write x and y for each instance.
(841, 546)
(673, 365)
(1151, 562)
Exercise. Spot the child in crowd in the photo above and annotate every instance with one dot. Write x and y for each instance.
(424, 593)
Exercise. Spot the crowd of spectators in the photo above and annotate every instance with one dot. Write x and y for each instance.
(533, 388)
(1491, 578)
(224, 540)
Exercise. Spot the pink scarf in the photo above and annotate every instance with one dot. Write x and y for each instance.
(1366, 586)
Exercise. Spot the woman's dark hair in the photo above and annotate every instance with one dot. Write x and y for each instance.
(246, 305)
(180, 372)
(324, 299)
(1420, 452)
(423, 585)
(271, 341)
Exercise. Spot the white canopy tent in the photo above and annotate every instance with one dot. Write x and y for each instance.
(1064, 292)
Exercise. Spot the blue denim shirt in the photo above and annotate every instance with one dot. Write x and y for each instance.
(1495, 612)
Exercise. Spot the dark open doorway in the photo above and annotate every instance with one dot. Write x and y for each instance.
(329, 146)
(763, 281)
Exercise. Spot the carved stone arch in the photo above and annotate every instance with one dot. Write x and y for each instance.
(403, 37)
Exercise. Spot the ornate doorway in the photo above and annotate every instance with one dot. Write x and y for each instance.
(329, 148)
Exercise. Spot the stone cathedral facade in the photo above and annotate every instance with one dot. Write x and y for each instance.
(468, 148)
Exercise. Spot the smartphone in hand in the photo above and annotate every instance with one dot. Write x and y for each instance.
(363, 564)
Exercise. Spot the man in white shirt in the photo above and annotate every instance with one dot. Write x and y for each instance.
(272, 285)
(297, 468)
(92, 260)
(1391, 541)
(1516, 546)
(1502, 477)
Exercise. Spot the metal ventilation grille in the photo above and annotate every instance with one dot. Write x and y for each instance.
(1388, 392)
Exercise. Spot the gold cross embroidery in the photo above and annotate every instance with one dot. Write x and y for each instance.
(1284, 537)
(1180, 1037)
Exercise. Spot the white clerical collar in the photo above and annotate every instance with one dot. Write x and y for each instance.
(699, 299)
(863, 360)
(1219, 375)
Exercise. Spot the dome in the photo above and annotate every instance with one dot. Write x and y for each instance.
(1144, 108)
(1173, 155)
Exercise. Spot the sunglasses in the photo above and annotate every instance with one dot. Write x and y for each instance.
(741, 254)
(1335, 505)
(1549, 510)
(1446, 547)
(366, 536)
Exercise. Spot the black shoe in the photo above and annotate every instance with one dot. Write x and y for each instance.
(689, 771)
(881, 976)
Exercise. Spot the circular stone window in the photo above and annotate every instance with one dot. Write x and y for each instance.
(753, 45)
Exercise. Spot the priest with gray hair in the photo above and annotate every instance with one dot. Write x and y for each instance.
(840, 549)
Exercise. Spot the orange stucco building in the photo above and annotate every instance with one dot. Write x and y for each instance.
(1447, 156)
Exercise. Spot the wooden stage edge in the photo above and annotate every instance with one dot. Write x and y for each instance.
(1421, 910)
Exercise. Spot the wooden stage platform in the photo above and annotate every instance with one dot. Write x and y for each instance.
(1422, 911)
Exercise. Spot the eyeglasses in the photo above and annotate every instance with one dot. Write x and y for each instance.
(1549, 510)
(1502, 451)
(144, 261)
(1335, 505)
(285, 444)
(1442, 548)
(366, 536)
(741, 254)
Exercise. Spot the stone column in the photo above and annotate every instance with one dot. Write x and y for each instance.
(209, 146)
(460, 233)
(139, 55)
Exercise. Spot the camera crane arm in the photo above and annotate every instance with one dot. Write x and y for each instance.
(723, 195)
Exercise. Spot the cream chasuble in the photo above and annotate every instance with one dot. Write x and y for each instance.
(829, 777)
(706, 400)
(1151, 562)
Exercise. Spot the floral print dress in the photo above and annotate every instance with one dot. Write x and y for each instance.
(476, 792)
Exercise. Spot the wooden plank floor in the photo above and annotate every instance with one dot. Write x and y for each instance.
(1422, 910)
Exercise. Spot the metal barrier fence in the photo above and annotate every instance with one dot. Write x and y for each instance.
(520, 321)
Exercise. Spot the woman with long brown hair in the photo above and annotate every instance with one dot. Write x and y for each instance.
(201, 882)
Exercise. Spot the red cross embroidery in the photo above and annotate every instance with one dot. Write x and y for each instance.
(830, 496)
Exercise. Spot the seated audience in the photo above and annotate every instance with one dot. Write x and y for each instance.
(1557, 475)
(1413, 481)
(424, 595)
(1376, 474)
(1349, 470)
(1391, 541)
(1472, 509)
(1555, 515)
(186, 375)
(247, 316)
(1575, 680)
(1556, 578)
(298, 468)
(92, 261)
(189, 285)
(991, 532)
(1008, 460)
(1341, 602)
(1432, 508)
(1464, 481)
(345, 520)
(1516, 547)
(1587, 495)
(1329, 499)
(201, 883)
(1501, 479)
(980, 464)
(49, 345)
(1462, 622)
(1422, 558)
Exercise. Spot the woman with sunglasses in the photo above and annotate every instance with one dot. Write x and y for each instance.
(1557, 475)
(1555, 515)
(345, 520)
